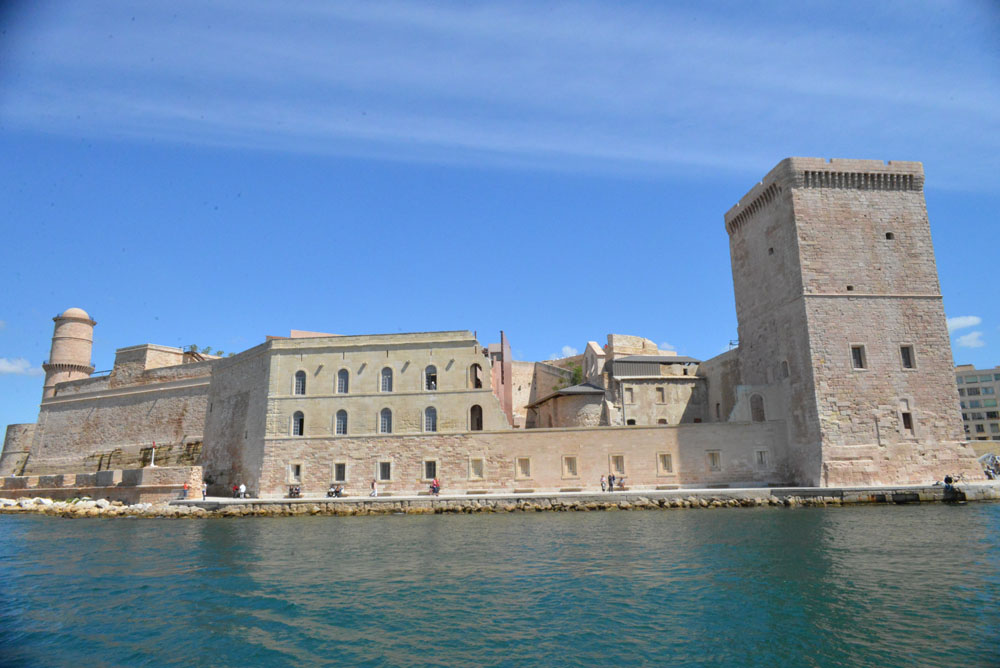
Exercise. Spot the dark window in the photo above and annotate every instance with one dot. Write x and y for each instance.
(300, 382)
(430, 470)
(476, 418)
(476, 377)
(630, 422)
(431, 378)
(858, 356)
(385, 421)
(906, 353)
(343, 381)
(340, 472)
(890, 235)
(341, 423)
(757, 408)
(430, 421)
(908, 422)
(386, 380)
(298, 424)
(385, 470)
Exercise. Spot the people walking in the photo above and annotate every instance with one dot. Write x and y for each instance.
(184, 495)
(611, 482)
(435, 487)
(374, 491)
(204, 491)
(604, 484)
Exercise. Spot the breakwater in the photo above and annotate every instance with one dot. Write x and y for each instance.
(500, 503)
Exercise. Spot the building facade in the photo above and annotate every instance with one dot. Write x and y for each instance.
(978, 391)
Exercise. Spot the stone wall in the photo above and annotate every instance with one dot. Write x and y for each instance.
(459, 457)
(722, 376)
(531, 382)
(144, 485)
(573, 410)
(16, 443)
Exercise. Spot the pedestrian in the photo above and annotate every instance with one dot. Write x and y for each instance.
(435, 487)
(204, 491)
(611, 482)
(374, 488)
(184, 495)
(243, 491)
(604, 484)
(236, 490)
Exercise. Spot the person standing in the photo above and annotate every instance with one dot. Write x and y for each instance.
(185, 494)
(243, 491)
(204, 491)
(611, 482)
(435, 487)
(374, 488)
(604, 484)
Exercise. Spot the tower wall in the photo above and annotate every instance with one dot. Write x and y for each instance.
(69, 357)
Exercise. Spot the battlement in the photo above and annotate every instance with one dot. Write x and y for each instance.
(836, 173)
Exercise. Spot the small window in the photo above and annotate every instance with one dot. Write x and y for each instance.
(386, 384)
(523, 467)
(431, 378)
(476, 377)
(661, 395)
(340, 472)
(341, 429)
(961, 391)
(784, 369)
(665, 462)
(476, 418)
(630, 422)
(661, 421)
(975, 404)
(995, 428)
(569, 467)
(890, 236)
(430, 469)
(906, 355)
(476, 468)
(850, 288)
(984, 379)
(343, 381)
(992, 415)
(430, 420)
(907, 420)
(718, 411)
(714, 460)
(298, 424)
(858, 357)
(628, 395)
(988, 390)
(996, 376)
(300, 382)
(295, 473)
(618, 464)
(385, 471)
(972, 392)
(980, 429)
(770, 251)
(385, 421)
(757, 408)
(761, 460)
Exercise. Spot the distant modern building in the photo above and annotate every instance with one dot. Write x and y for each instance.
(978, 390)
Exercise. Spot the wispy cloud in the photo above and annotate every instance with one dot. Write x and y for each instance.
(963, 322)
(971, 340)
(572, 85)
(667, 346)
(18, 367)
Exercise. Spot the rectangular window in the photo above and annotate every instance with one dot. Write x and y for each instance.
(476, 469)
(989, 390)
(523, 467)
(908, 423)
(340, 472)
(665, 462)
(714, 460)
(618, 464)
(628, 395)
(961, 404)
(761, 460)
(989, 403)
(995, 428)
(992, 415)
(972, 392)
(985, 379)
(906, 355)
(996, 376)
(661, 395)
(385, 470)
(569, 467)
(858, 357)
(295, 473)
(965, 416)
(976, 416)
(971, 379)
(961, 391)
(980, 429)
(430, 469)
(975, 404)
(960, 381)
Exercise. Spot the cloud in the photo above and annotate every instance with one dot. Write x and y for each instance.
(18, 367)
(667, 346)
(963, 322)
(569, 351)
(971, 340)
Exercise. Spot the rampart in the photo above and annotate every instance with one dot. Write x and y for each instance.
(145, 485)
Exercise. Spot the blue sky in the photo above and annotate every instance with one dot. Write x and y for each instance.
(213, 172)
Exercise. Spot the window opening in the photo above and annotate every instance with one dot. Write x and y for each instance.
(430, 469)
(340, 472)
(618, 464)
(343, 381)
(858, 357)
(523, 467)
(714, 460)
(476, 418)
(386, 380)
(300, 382)
(295, 472)
(385, 470)
(476, 469)
(298, 424)
(341, 423)
(385, 421)
(476, 377)
(757, 408)
(430, 378)
(906, 353)
(569, 467)
(666, 463)
(430, 421)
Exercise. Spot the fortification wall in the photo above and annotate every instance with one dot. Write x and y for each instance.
(571, 411)
(16, 443)
(142, 485)
(460, 456)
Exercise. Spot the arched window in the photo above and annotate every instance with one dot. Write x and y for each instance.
(757, 408)
(476, 418)
(386, 380)
(300, 382)
(385, 421)
(341, 423)
(476, 377)
(298, 424)
(343, 381)
(430, 419)
(431, 378)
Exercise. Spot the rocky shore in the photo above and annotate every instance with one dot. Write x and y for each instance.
(676, 500)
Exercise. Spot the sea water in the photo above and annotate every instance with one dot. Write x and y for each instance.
(859, 586)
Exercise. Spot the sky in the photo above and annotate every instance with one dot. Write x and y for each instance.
(210, 173)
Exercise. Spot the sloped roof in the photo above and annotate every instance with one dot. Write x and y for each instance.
(573, 390)
(662, 359)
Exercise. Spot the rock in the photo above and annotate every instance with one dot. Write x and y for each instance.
(102, 503)
(25, 502)
(7, 502)
(43, 502)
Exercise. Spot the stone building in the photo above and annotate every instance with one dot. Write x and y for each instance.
(978, 392)
(812, 395)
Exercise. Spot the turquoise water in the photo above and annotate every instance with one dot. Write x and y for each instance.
(870, 586)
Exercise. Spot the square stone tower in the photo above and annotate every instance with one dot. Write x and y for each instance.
(841, 324)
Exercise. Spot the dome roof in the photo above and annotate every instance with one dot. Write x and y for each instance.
(75, 313)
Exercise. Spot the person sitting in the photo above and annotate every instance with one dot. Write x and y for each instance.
(338, 491)
(332, 491)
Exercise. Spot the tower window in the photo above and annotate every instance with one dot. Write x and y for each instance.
(300, 382)
(385, 471)
(343, 381)
(476, 418)
(385, 421)
(386, 385)
(770, 251)
(298, 424)
(906, 355)
(858, 357)
(430, 378)
(850, 288)
(341, 423)
(430, 420)
(890, 236)
(757, 408)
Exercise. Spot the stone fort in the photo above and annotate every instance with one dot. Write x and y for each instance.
(842, 375)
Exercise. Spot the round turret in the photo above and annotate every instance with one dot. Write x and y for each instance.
(72, 342)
